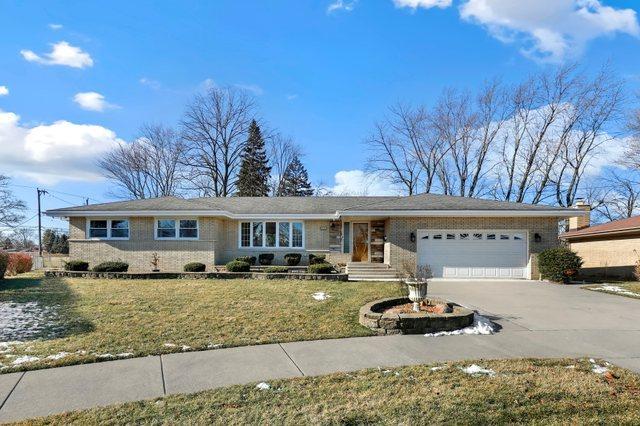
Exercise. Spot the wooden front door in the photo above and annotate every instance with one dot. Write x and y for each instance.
(360, 242)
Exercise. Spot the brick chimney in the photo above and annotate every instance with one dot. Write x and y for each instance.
(580, 222)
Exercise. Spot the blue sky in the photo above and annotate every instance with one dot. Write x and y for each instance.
(322, 71)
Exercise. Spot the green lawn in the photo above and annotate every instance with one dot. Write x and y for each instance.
(627, 289)
(97, 318)
(521, 391)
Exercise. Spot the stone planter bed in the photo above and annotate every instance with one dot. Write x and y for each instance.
(373, 316)
(196, 275)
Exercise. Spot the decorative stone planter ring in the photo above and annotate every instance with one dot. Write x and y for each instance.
(417, 292)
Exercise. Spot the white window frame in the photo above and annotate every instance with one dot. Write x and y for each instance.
(176, 228)
(108, 237)
(264, 235)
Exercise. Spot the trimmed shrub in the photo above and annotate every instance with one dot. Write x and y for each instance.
(266, 258)
(251, 260)
(277, 270)
(238, 266)
(320, 268)
(315, 259)
(19, 263)
(558, 264)
(292, 259)
(76, 265)
(195, 267)
(4, 260)
(111, 267)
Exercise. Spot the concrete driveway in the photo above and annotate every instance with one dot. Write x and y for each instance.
(535, 305)
(570, 318)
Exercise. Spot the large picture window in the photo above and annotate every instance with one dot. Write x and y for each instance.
(272, 234)
(177, 229)
(109, 229)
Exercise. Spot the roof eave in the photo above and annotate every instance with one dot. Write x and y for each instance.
(616, 232)
(464, 213)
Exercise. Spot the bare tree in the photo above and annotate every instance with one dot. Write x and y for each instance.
(615, 196)
(151, 166)
(631, 158)
(468, 126)
(392, 155)
(215, 127)
(597, 105)
(23, 238)
(282, 150)
(11, 208)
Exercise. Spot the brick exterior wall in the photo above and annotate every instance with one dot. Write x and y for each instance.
(137, 251)
(608, 257)
(218, 243)
(401, 248)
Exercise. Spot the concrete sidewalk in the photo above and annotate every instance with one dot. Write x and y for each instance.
(44, 392)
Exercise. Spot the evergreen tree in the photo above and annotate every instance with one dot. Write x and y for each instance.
(48, 240)
(61, 244)
(253, 178)
(295, 181)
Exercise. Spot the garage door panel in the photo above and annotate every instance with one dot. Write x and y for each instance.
(471, 254)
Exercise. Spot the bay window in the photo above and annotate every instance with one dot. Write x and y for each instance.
(176, 229)
(109, 229)
(271, 234)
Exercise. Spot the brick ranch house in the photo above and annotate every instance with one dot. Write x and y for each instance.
(609, 250)
(456, 236)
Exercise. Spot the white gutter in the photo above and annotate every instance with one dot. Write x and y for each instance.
(466, 213)
(321, 216)
(182, 213)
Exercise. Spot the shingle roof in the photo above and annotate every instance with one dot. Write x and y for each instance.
(622, 225)
(307, 205)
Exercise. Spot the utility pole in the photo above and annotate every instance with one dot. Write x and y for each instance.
(41, 192)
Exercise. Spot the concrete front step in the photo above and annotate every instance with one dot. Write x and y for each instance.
(370, 271)
(372, 278)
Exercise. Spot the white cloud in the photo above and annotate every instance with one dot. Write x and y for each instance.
(208, 84)
(92, 101)
(357, 182)
(62, 53)
(549, 30)
(4, 90)
(154, 84)
(49, 153)
(425, 4)
(55, 27)
(345, 5)
(253, 88)
(292, 96)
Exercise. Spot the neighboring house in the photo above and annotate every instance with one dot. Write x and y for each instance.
(609, 250)
(455, 236)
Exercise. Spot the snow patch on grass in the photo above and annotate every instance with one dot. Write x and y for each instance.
(28, 321)
(598, 369)
(615, 289)
(319, 296)
(263, 386)
(476, 370)
(24, 359)
(59, 355)
(481, 325)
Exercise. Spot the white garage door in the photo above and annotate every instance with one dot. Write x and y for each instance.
(473, 253)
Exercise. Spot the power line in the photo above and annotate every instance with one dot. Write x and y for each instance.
(83, 197)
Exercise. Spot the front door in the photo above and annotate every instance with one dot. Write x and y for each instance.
(360, 242)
